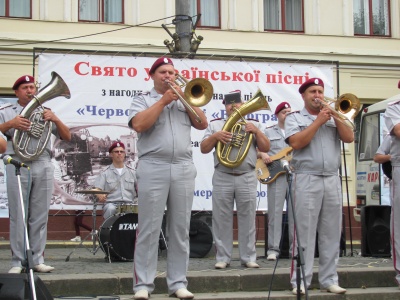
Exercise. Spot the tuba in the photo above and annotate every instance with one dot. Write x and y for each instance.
(40, 130)
(231, 155)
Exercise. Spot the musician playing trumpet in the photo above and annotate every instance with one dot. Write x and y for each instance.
(37, 187)
(316, 189)
(234, 184)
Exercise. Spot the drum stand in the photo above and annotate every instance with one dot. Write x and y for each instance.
(93, 234)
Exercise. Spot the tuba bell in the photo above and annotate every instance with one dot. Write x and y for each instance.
(231, 155)
(40, 130)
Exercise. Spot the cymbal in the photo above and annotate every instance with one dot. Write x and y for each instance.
(92, 192)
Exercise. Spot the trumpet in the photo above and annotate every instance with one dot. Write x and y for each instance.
(345, 109)
(198, 92)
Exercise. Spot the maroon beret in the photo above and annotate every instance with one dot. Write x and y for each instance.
(310, 82)
(159, 62)
(281, 106)
(232, 97)
(115, 145)
(23, 79)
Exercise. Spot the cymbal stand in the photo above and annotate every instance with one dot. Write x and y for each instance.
(93, 233)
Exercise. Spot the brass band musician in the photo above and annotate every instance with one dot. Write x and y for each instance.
(234, 185)
(37, 184)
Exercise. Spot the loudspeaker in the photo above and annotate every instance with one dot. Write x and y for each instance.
(17, 287)
(201, 239)
(375, 230)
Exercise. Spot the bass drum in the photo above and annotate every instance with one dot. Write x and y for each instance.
(118, 236)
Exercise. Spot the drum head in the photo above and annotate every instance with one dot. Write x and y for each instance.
(201, 239)
(118, 236)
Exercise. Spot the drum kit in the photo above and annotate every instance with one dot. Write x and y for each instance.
(114, 232)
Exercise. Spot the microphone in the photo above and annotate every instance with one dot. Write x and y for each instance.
(7, 159)
(285, 166)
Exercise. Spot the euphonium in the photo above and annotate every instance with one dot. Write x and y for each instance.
(241, 142)
(40, 130)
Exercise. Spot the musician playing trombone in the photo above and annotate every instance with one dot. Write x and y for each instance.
(276, 193)
(236, 184)
(166, 177)
(315, 135)
(37, 184)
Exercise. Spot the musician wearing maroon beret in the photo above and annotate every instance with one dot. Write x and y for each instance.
(118, 180)
(37, 183)
(311, 82)
(234, 185)
(22, 80)
(315, 137)
(277, 188)
(160, 62)
(166, 177)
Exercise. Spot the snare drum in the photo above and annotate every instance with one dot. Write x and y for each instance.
(118, 236)
(127, 208)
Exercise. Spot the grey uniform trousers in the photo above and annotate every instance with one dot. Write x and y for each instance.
(395, 221)
(228, 190)
(276, 194)
(38, 182)
(163, 185)
(317, 205)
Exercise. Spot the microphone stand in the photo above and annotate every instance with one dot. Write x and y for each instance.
(29, 258)
(300, 255)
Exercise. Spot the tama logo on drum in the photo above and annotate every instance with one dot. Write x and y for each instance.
(127, 226)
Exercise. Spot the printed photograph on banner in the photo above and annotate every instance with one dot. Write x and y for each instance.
(77, 163)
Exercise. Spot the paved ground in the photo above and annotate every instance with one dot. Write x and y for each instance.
(84, 262)
(58, 251)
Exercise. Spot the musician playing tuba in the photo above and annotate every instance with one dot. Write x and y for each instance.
(234, 184)
(37, 183)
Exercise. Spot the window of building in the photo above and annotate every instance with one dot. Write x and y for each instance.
(209, 10)
(371, 17)
(15, 8)
(109, 11)
(283, 15)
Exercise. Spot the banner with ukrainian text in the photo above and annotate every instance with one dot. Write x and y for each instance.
(97, 112)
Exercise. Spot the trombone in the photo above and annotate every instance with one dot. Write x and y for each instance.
(198, 92)
(345, 109)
